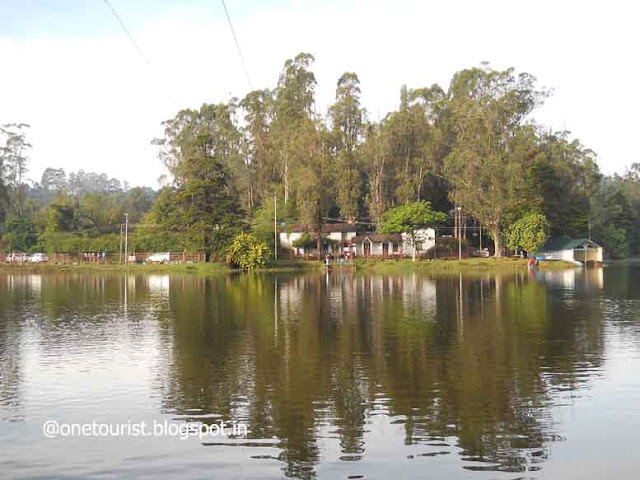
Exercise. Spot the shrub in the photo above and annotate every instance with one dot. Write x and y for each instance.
(73, 242)
(529, 232)
(615, 239)
(247, 252)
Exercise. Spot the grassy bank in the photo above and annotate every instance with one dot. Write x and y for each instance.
(201, 268)
(390, 267)
(442, 266)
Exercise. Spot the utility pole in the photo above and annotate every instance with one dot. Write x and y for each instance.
(126, 238)
(463, 220)
(275, 226)
(121, 235)
(460, 233)
(455, 222)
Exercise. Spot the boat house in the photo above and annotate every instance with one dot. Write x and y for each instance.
(579, 250)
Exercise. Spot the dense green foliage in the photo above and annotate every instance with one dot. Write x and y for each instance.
(529, 232)
(410, 217)
(472, 145)
(199, 148)
(247, 252)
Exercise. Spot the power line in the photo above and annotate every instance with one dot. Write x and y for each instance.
(126, 30)
(235, 39)
(163, 85)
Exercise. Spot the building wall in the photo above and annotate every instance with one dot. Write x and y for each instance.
(576, 256)
(588, 255)
(426, 236)
(377, 250)
(566, 255)
(341, 236)
(287, 239)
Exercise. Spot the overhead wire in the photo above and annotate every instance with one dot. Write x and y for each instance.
(126, 30)
(163, 85)
(235, 39)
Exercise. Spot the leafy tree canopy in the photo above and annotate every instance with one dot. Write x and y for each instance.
(529, 232)
(410, 218)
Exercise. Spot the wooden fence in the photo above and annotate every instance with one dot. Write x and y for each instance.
(115, 257)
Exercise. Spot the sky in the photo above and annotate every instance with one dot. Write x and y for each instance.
(95, 102)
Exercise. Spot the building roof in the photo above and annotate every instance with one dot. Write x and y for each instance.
(379, 238)
(555, 244)
(326, 228)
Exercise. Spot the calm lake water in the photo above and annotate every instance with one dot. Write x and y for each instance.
(337, 376)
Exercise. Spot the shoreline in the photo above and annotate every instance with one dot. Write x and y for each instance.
(201, 268)
(467, 265)
(290, 266)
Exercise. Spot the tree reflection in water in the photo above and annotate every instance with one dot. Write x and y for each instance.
(327, 369)
(473, 360)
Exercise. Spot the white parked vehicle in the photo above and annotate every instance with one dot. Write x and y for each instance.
(39, 258)
(17, 258)
(159, 258)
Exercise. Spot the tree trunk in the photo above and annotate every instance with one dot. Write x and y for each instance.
(495, 233)
(286, 178)
(319, 242)
(207, 249)
(413, 240)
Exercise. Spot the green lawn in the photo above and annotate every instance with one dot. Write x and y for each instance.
(361, 265)
(455, 266)
(197, 268)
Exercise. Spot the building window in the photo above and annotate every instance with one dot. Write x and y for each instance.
(418, 245)
(395, 248)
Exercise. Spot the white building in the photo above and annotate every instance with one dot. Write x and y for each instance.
(394, 244)
(581, 250)
(343, 238)
(336, 238)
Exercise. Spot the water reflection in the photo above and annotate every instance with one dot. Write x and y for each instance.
(333, 371)
(456, 358)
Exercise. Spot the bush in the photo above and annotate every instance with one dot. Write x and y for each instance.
(19, 234)
(615, 240)
(529, 232)
(247, 252)
(156, 242)
(73, 242)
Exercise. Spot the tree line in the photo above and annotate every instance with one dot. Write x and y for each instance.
(473, 145)
(78, 212)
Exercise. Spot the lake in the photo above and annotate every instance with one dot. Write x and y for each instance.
(334, 376)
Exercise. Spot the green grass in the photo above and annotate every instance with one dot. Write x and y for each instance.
(201, 268)
(442, 266)
(389, 267)
(206, 268)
